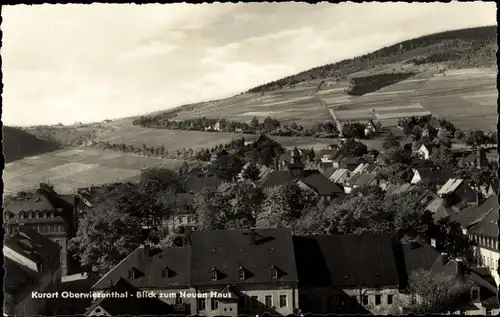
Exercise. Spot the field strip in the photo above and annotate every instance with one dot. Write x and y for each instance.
(395, 115)
(65, 170)
(389, 92)
(327, 91)
(402, 107)
(69, 152)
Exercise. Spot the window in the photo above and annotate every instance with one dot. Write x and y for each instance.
(389, 299)
(202, 304)
(364, 300)
(254, 302)
(413, 300)
(213, 275)
(282, 300)
(269, 300)
(378, 299)
(178, 299)
(214, 303)
(165, 272)
(131, 273)
(475, 294)
(274, 273)
(241, 274)
(488, 312)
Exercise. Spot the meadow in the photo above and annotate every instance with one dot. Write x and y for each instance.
(70, 169)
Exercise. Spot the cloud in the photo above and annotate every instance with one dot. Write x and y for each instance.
(152, 48)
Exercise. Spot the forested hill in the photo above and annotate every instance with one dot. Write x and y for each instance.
(473, 47)
(18, 144)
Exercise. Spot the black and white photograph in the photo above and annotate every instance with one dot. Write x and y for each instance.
(250, 159)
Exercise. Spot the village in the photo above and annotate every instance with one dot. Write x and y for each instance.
(266, 225)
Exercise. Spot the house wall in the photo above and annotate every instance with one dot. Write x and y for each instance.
(383, 307)
(488, 258)
(416, 178)
(247, 291)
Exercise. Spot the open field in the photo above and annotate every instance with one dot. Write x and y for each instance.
(70, 169)
(466, 97)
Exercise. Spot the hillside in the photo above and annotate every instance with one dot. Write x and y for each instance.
(474, 47)
(18, 144)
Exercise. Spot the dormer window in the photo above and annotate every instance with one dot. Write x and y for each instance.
(241, 273)
(165, 273)
(274, 272)
(131, 273)
(21, 215)
(213, 275)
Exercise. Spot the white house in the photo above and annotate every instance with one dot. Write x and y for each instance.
(424, 152)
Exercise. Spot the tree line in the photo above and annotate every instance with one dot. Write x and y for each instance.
(268, 125)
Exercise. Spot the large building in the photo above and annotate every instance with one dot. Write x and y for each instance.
(48, 213)
(253, 271)
(31, 264)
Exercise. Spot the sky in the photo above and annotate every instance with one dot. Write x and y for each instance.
(87, 63)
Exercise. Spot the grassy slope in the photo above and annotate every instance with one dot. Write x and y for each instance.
(465, 48)
(18, 144)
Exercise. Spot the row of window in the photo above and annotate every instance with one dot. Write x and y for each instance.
(251, 302)
(484, 241)
(40, 228)
(36, 214)
(489, 262)
(242, 274)
(365, 300)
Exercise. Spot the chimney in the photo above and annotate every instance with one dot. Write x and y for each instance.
(276, 163)
(252, 236)
(460, 267)
(147, 250)
(443, 257)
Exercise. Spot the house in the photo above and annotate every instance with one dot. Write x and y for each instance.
(263, 171)
(132, 304)
(296, 173)
(351, 163)
(479, 224)
(182, 214)
(74, 283)
(361, 179)
(48, 213)
(32, 266)
(256, 265)
(196, 180)
(328, 155)
(165, 271)
(436, 178)
(217, 126)
(425, 151)
(440, 210)
(456, 190)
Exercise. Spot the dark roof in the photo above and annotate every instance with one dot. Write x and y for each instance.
(35, 247)
(488, 225)
(329, 171)
(36, 202)
(278, 178)
(17, 279)
(131, 306)
(438, 177)
(148, 266)
(228, 250)
(472, 214)
(345, 260)
(322, 185)
(365, 179)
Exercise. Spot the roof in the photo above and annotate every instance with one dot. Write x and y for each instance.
(366, 179)
(148, 266)
(195, 183)
(488, 225)
(37, 202)
(130, 306)
(345, 260)
(278, 178)
(439, 210)
(473, 214)
(450, 186)
(17, 279)
(338, 174)
(396, 190)
(328, 172)
(322, 185)
(438, 177)
(227, 251)
(35, 247)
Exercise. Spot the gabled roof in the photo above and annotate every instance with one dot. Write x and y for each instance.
(396, 190)
(36, 202)
(366, 179)
(196, 182)
(488, 225)
(129, 306)
(149, 266)
(450, 186)
(338, 174)
(346, 260)
(36, 247)
(227, 250)
(328, 172)
(473, 214)
(439, 210)
(322, 185)
(438, 177)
